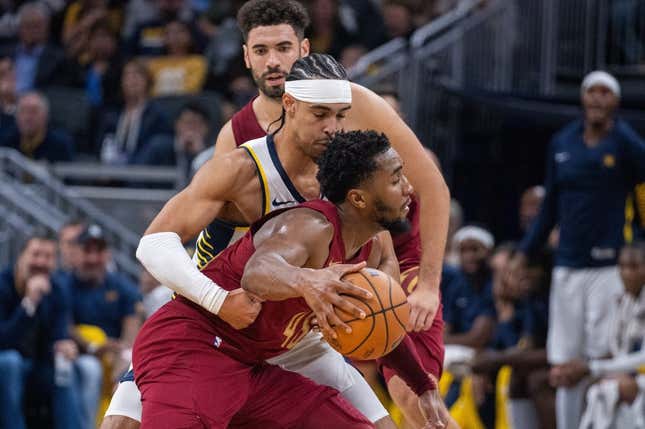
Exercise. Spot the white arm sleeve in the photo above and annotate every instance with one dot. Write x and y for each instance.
(163, 255)
(627, 363)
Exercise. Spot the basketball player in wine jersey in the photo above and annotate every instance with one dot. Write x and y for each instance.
(288, 260)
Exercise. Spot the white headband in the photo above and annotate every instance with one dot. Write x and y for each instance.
(601, 78)
(474, 233)
(323, 91)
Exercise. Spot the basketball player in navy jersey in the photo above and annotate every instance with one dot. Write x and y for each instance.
(229, 385)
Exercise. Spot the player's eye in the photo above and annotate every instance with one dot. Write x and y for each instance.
(260, 51)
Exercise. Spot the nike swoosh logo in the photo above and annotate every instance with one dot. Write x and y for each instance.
(282, 203)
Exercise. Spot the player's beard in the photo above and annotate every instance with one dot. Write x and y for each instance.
(270, 91)
(394, 226)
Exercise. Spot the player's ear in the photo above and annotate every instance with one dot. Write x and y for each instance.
(288, 103)
(357, 198)
(305, 47)
(247, 61)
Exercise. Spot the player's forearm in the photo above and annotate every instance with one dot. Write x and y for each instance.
(271, 278)
(434, 201)
(163, 255)
(405, 361)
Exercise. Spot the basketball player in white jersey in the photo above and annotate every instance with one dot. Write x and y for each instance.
(254, 180)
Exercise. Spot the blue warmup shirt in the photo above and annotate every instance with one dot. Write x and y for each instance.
(586, 192)
(33, 336)
(105, 305)
(463, 304)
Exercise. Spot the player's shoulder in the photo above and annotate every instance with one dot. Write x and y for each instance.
(568, 132)
(306, 222)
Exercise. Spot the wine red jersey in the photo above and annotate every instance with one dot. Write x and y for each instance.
(280, 324)
(245, 125)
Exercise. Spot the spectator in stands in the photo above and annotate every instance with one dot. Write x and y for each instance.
(592, 165)
(105, 300)
(154, 293)
(399, 18)
(530, 204)
(181, 70)
(328, 33)
(33, 136)
(617, 400)
(191, 138)
(148, 36)
(37, 62)
(469, 310)
(99, 70)
(34, 317)
(350, 55)
(127, 132)
(80, 19)
(68, 247)
(8, 94)
(519, 341)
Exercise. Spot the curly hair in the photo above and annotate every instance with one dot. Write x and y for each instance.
(350, 160)
(317, 66)
(258, 13)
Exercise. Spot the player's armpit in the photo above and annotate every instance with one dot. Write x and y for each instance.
(218, 181)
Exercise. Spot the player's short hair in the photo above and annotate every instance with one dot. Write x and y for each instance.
(350, 160)
(261, 13)
(317, 66)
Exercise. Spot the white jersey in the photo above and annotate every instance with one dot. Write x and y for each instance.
(277, 193)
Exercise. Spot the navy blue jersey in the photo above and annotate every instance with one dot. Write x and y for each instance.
(33, 336)
(586, 192)
(104, 305)
(463, 303)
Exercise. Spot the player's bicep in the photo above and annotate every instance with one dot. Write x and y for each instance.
(297, 237)
(199, 203)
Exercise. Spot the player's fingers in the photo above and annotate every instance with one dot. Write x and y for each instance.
(428, 322)
(336, 322)
(412, 320)
(351, 289)
(344, 269)
(348, 307)
(421, 321)
(324, 325)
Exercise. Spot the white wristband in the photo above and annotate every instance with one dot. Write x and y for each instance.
(164, 256)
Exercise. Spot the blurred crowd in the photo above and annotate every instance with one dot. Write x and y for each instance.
(119, 57)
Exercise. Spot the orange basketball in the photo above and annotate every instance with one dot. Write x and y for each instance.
(386, 312)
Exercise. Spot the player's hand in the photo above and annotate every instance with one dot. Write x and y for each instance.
(424, 303)
(239, 309)
(322, 290)
(432, 409)
(36, 287)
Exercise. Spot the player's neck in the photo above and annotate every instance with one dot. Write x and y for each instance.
(267, 110)
(356, 231)
(293, 159)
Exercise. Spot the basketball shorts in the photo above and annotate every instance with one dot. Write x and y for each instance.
(187, 381)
